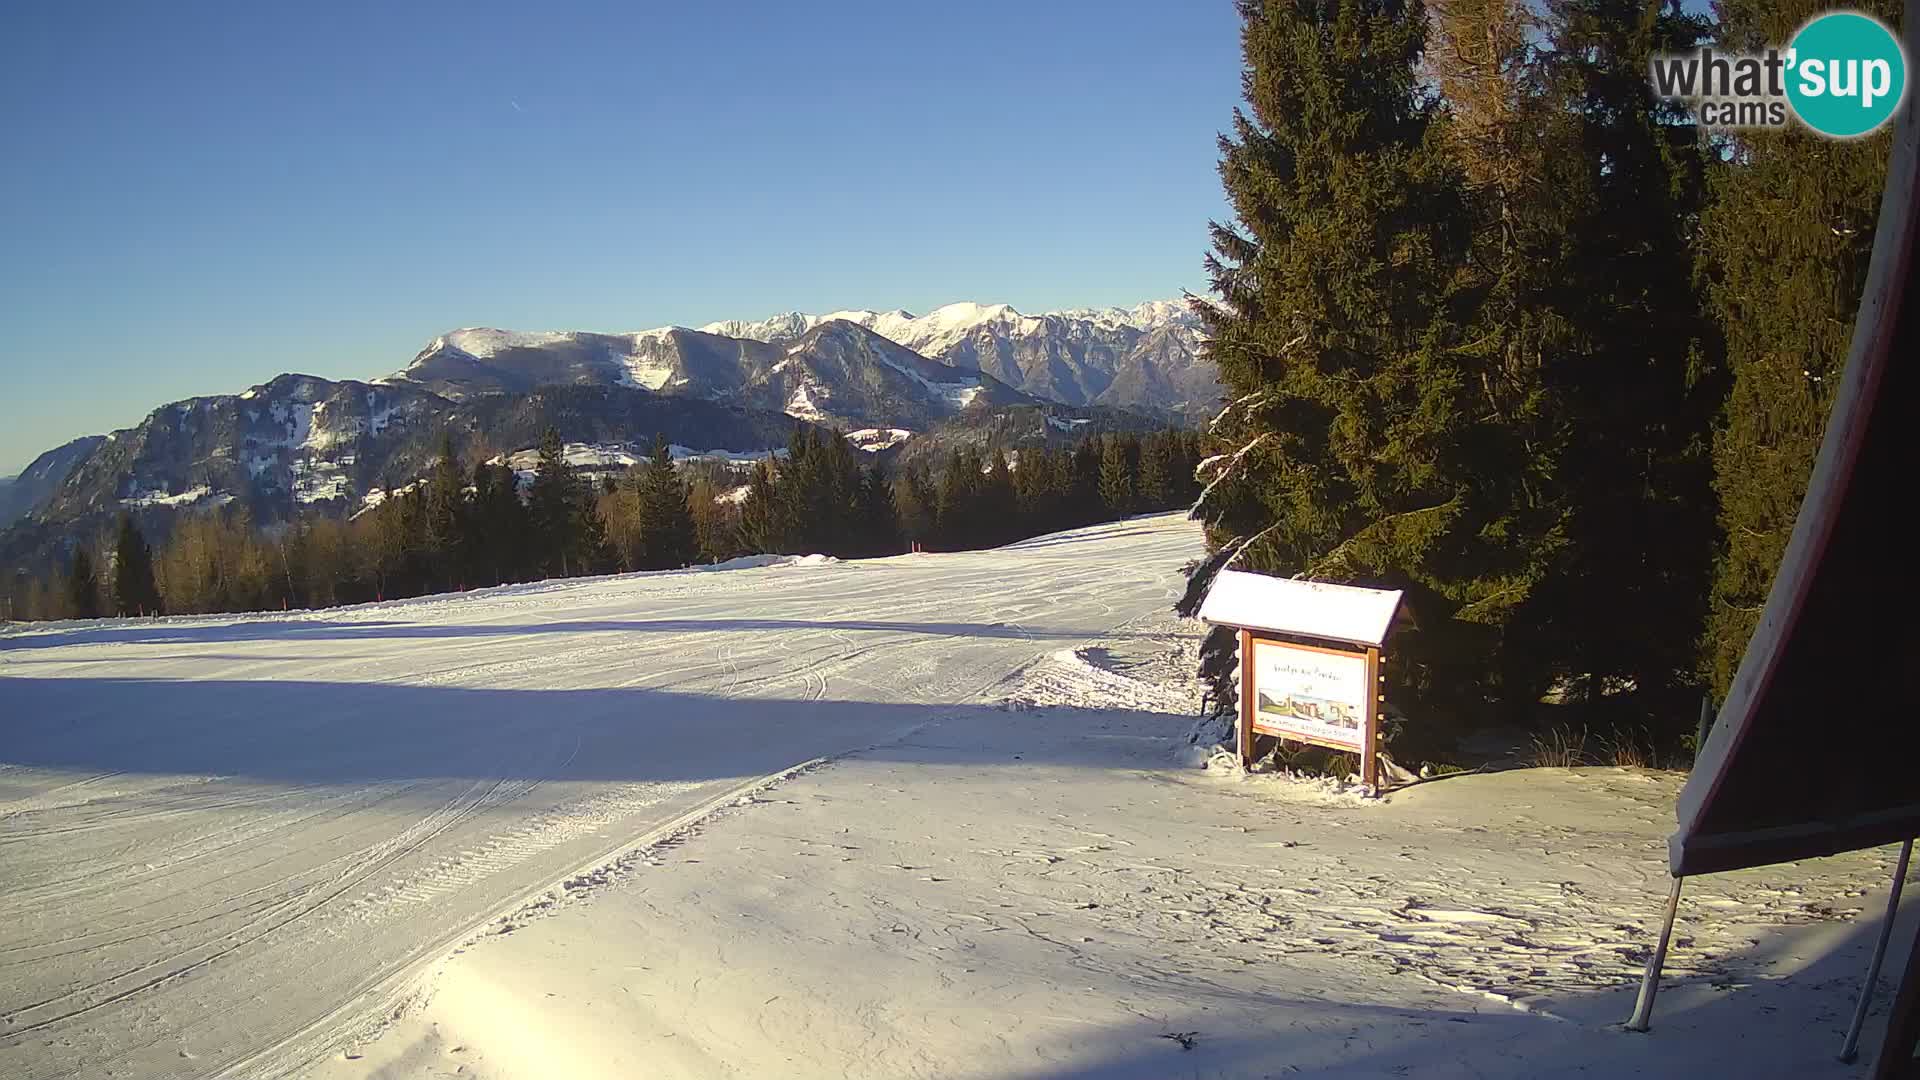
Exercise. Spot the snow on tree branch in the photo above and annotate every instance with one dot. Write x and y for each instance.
(1248, 399)
(1193, 512)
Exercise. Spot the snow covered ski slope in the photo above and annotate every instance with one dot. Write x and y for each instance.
(223, 839)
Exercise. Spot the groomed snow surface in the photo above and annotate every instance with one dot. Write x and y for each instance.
(922, 816)
(226, 842)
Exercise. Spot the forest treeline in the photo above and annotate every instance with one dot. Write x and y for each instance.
(462, 527)
(1503, 330)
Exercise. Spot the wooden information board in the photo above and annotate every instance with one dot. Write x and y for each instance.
(1309, 661)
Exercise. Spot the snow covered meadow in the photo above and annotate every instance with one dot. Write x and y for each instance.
(226, 837)
(919, 816)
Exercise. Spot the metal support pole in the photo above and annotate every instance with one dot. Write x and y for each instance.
(1851, 1048)
(1650, 984)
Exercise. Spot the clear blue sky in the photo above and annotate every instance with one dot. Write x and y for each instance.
(196, 197)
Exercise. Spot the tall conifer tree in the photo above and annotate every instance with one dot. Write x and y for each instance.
(1357, 451)
(1786, 243)
(1629, 380)
(134, 590)
(762, 517)
(444, 517)
(1156, 471)
(1116, 477)
(999, 508)
(499, 520)
(83, 586)
(667, 523)
(916, 501)
(556, 512)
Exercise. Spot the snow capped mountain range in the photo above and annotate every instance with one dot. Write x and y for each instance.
(895, 376)
(1146, 356)
(944, 325)
(835, 372)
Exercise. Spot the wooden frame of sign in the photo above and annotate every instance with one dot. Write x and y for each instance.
(1309, 661)
(1307, 728)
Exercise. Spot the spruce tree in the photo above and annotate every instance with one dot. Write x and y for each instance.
(1585, 330)
(1116, 478)
(444, 518)
(957, 519)
(498, 519)
(916, 502)
(803, 493)
(1786, 243)
(1156, 471)
(762, 517)
(1630, 385)
(19, 597)
(667, 523)
(556, 512)
(837, 502)
(1358, 448)
(999, 508)
(134, 590)
(1054, 492)
(1035, 488)
(1081, 504)
(1193, 450)
(878, 528)
(83, 586)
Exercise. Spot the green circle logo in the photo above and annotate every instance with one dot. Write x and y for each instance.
(1848, 74)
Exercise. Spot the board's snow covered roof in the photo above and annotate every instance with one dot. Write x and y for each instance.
(1308, 608)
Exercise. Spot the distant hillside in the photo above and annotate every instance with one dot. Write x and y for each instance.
(38, 481)
(1020, 428)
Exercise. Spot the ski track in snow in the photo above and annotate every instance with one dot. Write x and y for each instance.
(217, 832)
(1041, 890)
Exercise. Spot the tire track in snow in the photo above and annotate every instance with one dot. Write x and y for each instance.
(480, 795)
(326, 1033)
(177, 964)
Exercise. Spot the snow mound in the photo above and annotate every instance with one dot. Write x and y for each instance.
(1207, 739)
(756, 562)
(749, 562)
(1072, 678)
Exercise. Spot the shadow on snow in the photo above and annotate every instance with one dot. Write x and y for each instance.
(258, 629)
(312, 732)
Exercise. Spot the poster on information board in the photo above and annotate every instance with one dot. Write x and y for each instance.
(1310, 694)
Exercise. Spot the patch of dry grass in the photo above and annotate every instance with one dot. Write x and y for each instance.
(1559, 747)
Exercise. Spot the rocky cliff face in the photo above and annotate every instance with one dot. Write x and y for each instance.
(37, 483)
